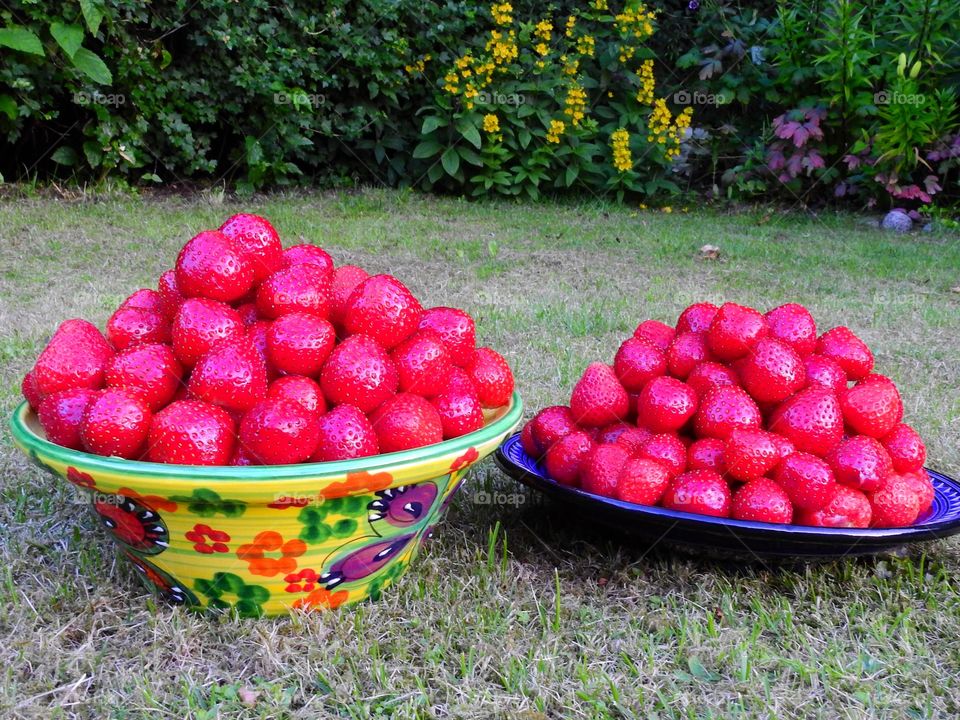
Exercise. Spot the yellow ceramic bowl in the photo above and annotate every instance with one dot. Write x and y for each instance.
(262, 540)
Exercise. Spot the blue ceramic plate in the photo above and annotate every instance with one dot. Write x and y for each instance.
(742, 537)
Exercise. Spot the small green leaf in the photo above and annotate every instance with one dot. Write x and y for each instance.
(472, 135)
(8, 106)
(92, 66)
(571, 174)
(450, 160)
(431, 123)
(469, 155)
(93, 153)
(22, 40)
(524, 137)
(64, 155)
(428, 148)
(92, 14)
(700, 672)
(68, 37)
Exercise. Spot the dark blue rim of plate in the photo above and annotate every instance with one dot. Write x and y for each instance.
(941, 520)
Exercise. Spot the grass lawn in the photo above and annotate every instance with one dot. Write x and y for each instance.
(512, 610)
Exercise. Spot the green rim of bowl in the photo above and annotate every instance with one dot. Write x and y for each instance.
(29, 440)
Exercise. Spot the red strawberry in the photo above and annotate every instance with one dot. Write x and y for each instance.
(151, 370)
(601, 467)
(199, 325)
(807, 479)
(301, 390)
(61, 416)
(307, 255)
(456, 329)
(345, 433)
(529, 445)
(750, 454)
(423, 363)
(696, 318)
(699, 491)
(686, 352)
(666, 404)
(707, 454)
(248, 313)
(610, 433)
(190, 432)
(920, 483)
(906, 448)
(492, 376)
(359, 372)
(345, 280)
(735, 331)
(666, 449)
(824, 372)
(860, 462)
(170, 296)
(551, 425)
(31, 392)
(304, 288)
(642, 481)
(784, 446)
(707, 375)
(762, 500)
(128, 327)
(382, 307)
(116, 423)
(773, 371)
(145, 299)
(794, 325)
(232, 375)
(258, 242)
(724, 409)
(564, 458)
(811, 420)
(633, 438)
(895, 504)
(850, 352)
(279, 432)
(241, 458)
(459, 406)
(637, 362)
(75, 357)
(299, 343)
(658, 334)
(598, 398)
(846, 508)
(211, 265)
(872, 408)
(406, 421)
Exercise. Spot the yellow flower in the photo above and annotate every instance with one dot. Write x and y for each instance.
(556, 130)
(585, 45)
(544, 30)
(502, 13)
(503, 49)
(575, 104)
(491, 123)
(667, 209)
(542, 48)
(620, 144)
(647, 83)
(599, 4)
(636, 21)
(571, 24)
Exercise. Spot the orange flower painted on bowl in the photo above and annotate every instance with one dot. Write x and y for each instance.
(357, 483)
(81, 479)
(468, 458)
(322, 599)
(255, 554)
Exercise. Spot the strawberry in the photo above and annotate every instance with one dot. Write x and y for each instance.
(641, 481)
(529, 445)
(492, 376)
(824, 372)
(762, 500)
(702, 492)
(30, 390)
(345, 280)
(637, 362)
(784, 446)
(658, 334)
(382, 307)
(773, 371)
(145, 299)
(666, 449)
(211, 265)
(359, 372)
(666, 404)
(793, 324)
(551, 425)
(232, 375)
(299, 343)
(75, 357)
(456, 329)
(191, 432)
(601, 467)
(116, 423)
(258, 242)
(860, 462)
(151, 370)
(423, 363)
(131, 326)
(633, 438)
(170, 296)
(895, 504)
(872, 407)
(850, 352)
(846, 508)
(301, 390)
(564, 458)
(598, 398)
(807, 479)
(248, 313)
(707, 375)
(811, 420)
(199, 325)
(279, 432)
(686, 352)
(241, 458)
(696, 318)
(304, 288)
(406, 421)
(612, 432)
(61, 416)
(750, 454)
(345, 433)
(307, 255)
(724, 409)
(735, 331)
(458, 405)
(906, 448)
(920, 483)
(707, 454)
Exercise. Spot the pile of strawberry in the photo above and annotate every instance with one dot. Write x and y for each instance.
(733, 413)
(251, 354)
